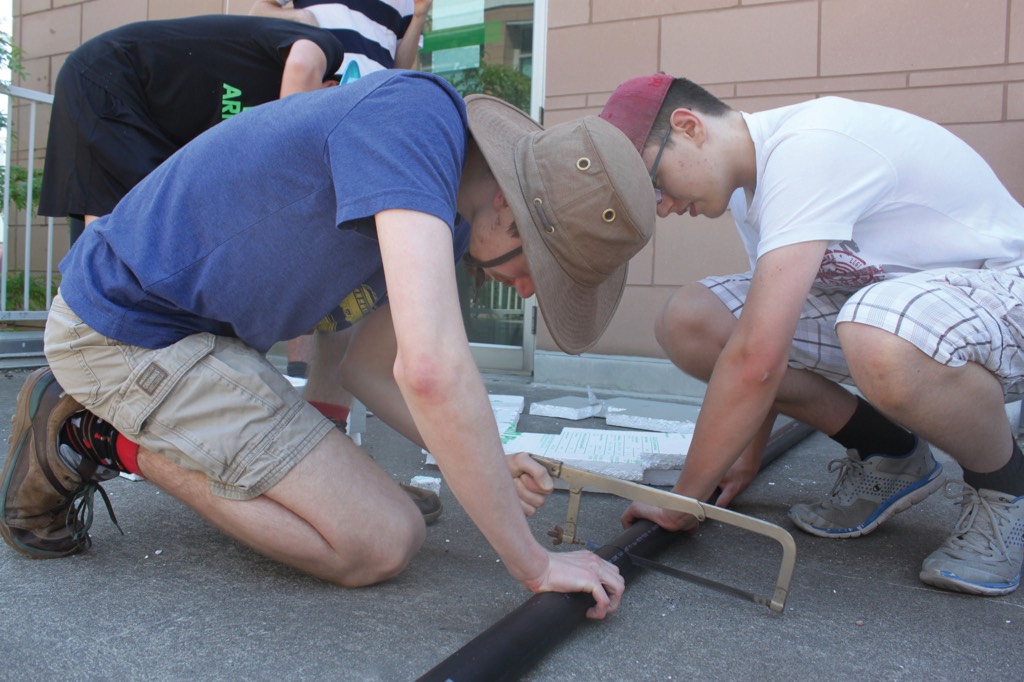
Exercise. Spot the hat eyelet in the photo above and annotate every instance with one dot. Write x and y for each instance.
(583, 163)
(539, 203)
(608, 215)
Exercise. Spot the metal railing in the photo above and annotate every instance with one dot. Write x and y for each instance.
(502, 300)
(13, 95)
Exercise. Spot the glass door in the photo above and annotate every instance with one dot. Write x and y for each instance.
(486, 46)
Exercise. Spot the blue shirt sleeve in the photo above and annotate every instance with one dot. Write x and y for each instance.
(409, 141)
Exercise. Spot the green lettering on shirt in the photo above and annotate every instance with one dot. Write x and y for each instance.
(231, 102)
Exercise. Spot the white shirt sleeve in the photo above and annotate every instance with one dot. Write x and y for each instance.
(816, 185)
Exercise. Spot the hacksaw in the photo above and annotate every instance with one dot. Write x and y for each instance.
(577, 479)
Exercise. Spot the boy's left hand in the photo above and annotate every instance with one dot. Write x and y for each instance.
(532, 481)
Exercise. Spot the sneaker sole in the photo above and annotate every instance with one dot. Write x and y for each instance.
(952, 582)
(24, 413)
(918, 494)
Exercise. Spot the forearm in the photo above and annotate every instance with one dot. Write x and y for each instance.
(303, 69)
(460, 431)
(385, 400)
(409, 47)
(454, 417)
(326, 383)
(733, 422)
(438, 378)
(367, 371)
(295, 80)
(271, 8)
(754, 452)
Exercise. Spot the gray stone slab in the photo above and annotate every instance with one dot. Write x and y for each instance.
(650, 415)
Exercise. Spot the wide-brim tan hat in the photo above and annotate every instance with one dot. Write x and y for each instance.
(583, 203)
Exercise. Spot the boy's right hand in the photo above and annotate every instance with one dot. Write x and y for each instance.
(582, 571)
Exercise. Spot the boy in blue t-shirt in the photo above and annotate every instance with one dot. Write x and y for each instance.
(377, 35)
(345, 207)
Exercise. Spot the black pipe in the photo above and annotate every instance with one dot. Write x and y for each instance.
(512, 645)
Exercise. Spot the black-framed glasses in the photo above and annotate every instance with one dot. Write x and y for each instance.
(476, 267)
(657, 160)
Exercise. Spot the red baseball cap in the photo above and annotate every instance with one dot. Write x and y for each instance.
(635, 104)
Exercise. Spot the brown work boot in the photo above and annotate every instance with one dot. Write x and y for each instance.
(427, 501)
(47, 494)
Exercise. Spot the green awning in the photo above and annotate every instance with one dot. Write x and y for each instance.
(463, 36)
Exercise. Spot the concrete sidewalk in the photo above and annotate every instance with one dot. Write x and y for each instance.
(173, 599)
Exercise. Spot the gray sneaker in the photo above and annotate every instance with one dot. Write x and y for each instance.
(869, 491)
(985, 552)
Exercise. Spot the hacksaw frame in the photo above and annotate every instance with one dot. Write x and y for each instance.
(577, 479)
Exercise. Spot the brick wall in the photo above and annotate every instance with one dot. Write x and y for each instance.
(47, 30)
(958, 62)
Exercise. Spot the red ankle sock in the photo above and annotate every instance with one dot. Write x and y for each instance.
(336, 413)
(128, 453)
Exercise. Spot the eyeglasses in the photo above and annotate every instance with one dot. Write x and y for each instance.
(476, 267)
(657, 160)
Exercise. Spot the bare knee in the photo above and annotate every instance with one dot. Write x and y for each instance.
(368, 541)
(381, 558)
(667, 325)
(881, 364)
(693, 327)
(679, 318)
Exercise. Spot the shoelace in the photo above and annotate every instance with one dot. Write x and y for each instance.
(80, 512)
(977, 530)
(846, 467)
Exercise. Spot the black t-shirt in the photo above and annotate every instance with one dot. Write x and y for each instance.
(189, 74)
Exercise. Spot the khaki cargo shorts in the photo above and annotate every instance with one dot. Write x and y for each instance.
(208, 403)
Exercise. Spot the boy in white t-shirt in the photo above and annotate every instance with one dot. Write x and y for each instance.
(885, 254)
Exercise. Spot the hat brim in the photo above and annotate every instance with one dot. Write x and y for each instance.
(575, 315)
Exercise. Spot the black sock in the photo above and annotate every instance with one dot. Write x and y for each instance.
(870, 433)
(1009, 479)
(297, 369)
(92, 438)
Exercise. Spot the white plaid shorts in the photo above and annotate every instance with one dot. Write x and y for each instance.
(954, 315)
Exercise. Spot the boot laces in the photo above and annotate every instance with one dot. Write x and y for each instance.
(79, 516)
